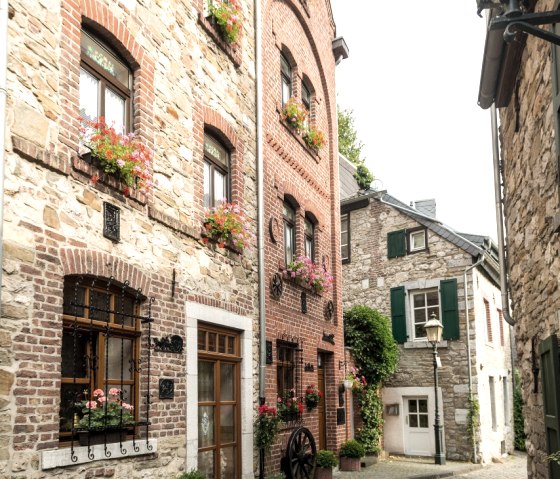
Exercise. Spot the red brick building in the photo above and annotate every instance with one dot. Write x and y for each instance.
(304, 328)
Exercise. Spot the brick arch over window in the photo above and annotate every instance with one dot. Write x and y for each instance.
(82, 261)
(101, 20)
(207, 119)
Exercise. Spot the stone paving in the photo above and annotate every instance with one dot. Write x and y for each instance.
(513, 467)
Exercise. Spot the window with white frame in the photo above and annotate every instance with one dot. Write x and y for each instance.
(422, 305)
(417, 240)
(345, 237)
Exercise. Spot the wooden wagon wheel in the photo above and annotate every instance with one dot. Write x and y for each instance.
(301, 454)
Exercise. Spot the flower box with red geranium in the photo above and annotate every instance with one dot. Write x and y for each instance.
(312, 397)
(309, 275)
(313, 138)
(228, 16)
(226, 224)
(120, 155)
(294, 114)
(289, 406)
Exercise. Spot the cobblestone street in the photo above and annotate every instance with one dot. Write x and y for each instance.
(513, 467)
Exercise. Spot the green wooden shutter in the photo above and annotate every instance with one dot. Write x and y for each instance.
(396, 244)
(550, 366)
(398, 314)
(449, 308)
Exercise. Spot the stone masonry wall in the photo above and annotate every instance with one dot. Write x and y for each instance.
(185, 77)
(368, 278)
(532, 200)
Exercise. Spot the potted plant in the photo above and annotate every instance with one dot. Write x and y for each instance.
(357, 379)
(350, 454)
(312, 397)
(294, 114)
(289, 405)
(309, 275)
(117, 154)
(227, 224)
(267, 426)
(313, 138)
(326, 460)
(227, 15)
(104, 418)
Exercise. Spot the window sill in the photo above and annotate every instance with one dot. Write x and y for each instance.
(423, 345)
(233, 53)
(106, 182)
(62, 457)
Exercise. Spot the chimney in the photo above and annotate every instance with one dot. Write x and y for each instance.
(426, 207)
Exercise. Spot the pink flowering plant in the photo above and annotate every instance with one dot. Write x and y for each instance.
(309, 274)
(105, 411)
(121, 155)
(267, 426)
(359, 382)
(289, 404)
(227, 224)
(295, 114)
(229, 18)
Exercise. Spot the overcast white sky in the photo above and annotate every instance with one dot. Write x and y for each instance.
(412, 80)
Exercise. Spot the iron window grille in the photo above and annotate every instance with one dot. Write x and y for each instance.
(101, 350)
(289, 367)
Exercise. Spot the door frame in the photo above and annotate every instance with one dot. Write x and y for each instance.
(194, 313)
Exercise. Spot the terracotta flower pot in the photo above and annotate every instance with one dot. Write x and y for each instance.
(323, 473)
(350, 464)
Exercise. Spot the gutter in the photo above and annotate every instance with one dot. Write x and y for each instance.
(3, 98)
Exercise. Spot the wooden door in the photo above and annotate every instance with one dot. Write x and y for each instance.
(321, 409)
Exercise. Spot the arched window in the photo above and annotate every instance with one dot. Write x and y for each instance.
(105, 84)
(286, 76)
(289, 232)
(100, 348)
(216, 171)
(309, 233)
(306, 101)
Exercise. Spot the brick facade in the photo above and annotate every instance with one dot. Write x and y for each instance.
(185, 81)
(303, 32)
(368, 278)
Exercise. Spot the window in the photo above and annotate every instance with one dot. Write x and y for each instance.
(306, 101)
(488, 322)
(309, 231)
(501, 321)
(493, 402)
(423, 305)
(506, 400)
(100, 346)
(289, 233)
(216, 167)
(408, 317)
(418, 413)
(105, 84)
(345, 237)
(417, 240)
(286, 75)
(286, 367)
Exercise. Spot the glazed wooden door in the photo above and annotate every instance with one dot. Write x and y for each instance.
(321, 409)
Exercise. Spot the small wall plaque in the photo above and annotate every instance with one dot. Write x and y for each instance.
(166, 388)
(392, 409)
(329, 338)
(111, 221)
(329, 310)
(169, 344)
(309, 368)
(269, 352)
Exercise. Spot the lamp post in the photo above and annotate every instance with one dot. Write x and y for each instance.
(434, 328)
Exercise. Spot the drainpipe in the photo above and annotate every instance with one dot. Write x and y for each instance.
(3, 96)
(260, 211)
(465, 288)
(500, 216)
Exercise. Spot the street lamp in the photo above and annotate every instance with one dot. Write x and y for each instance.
(434, 328)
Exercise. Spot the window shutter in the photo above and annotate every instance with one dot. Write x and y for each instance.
(396, 244)
(550, 367)
(449, 308)
(398, 314)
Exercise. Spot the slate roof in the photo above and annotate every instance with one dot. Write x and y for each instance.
(475, 245)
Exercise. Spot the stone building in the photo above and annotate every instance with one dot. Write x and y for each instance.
(402, 261)
(105, 289)
(521, 79)
(303, 324)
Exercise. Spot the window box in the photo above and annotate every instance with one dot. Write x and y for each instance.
(227, 225)
(96, 437)
(308, 275)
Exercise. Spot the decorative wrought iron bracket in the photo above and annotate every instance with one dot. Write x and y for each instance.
(527, 23)
(169, 344)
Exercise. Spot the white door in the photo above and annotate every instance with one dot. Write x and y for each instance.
(418, 435)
